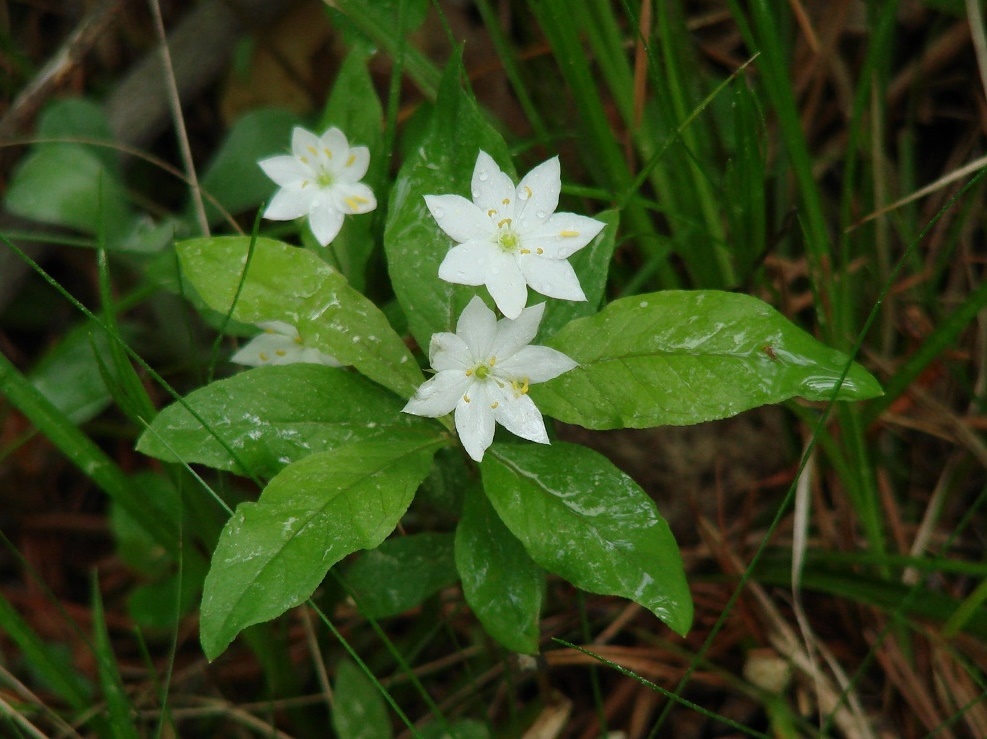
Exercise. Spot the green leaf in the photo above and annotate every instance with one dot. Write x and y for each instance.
(502, 584)
(273, 416)
(415, 245)
(592, 265)
(69, 375)
(401, 573)
(354, 107)
(67, 185)
(233, 177)
(284, 283)
(79, 118)
(583, 519)
(134, 545)
(272, 554)
(683, 357)
(359, 711)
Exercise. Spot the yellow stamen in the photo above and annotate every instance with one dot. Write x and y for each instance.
(527, 191)
(327, 152)
(525, 251)
(506, 201)
(539, 250)
(313, 150)
(466, 398)
(568, 234)
(500, 223)
(520, 386)
(491, 212)
(494, 404)
(304, 160)
(350, 160)
(355, 201)
(298, 339)
(264, 357)
(493, 361)
(469, 373)
(304, 183)
(280, 352)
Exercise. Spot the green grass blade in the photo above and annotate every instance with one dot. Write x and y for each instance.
(121, 713)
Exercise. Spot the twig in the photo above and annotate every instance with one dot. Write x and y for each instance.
(177, 118)
(53, 74)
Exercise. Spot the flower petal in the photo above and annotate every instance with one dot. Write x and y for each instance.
(475, 421)
(311, 355)
(477, 327)
(356, 164)
(305, 145)
(325, 221)
(289, 203)
(536, 363)
(459, 218)
(448, 351)
(279, 327)
(506, 283)
(465, 264)
(440, 395)
(538, 195)
(552, 277)
(353, 198)
(521, 417)
(493, 191)
(512, 335)
(334, 142)
(268, 348)
(562, 235)
(285, 170)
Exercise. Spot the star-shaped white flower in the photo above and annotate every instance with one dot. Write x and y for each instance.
(510, 238)
(280, 344)
(321, 180)
(483, 372)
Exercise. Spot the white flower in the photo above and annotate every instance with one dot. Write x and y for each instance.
(511, 238)
(321, 180)
(483, 372)
(280, 344)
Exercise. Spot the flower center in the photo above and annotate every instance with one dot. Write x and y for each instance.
(324, 179)
(482, 372)
(507, 238)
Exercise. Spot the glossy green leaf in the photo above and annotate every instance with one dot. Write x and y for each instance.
(273, 416)
(233, 177)
(67, 185)
(592, 266)
(401, 573)
(583, 519)
(501, 583)
(442, 163)
(359, 711)
(272, 554)
(683, 357)
(284, 283)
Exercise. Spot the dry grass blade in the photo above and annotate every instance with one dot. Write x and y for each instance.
(847, 712)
